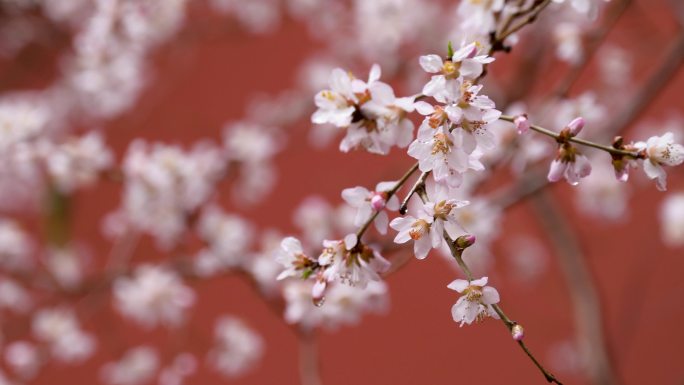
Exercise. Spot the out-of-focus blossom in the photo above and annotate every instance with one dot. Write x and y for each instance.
(153, 296)
(568, 38)
(164, 185)
(672, 219)
(15, 246)
(137, 366)
(66, 265)
(344, 304)
(237, 349)
(601, 195)
(60, 329)
(228, 236)
(182, 366)
(14, 297)
(252, 147)
(23, 358)
(76, 162)
(256, 16)
(261, 264)
(478, 17)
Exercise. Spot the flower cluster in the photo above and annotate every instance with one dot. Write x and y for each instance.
(375, 119)
(346, 261)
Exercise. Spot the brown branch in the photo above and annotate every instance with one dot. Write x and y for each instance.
(588, 316)
(594, 41)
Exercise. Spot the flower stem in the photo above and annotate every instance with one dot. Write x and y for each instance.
(457, 253)
(390, 193)
(556, 135)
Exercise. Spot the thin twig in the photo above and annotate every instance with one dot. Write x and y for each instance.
(584, 142)
(457, 253)
(390, 193)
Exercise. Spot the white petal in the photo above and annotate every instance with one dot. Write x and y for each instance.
(381, 222)
(424, 108)
(459, 285)
(489, 295)
(431, 63)
(355, 196)
(350, 241)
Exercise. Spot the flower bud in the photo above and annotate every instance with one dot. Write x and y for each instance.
(557, 170)
(575, 126)
(318, 291)
(378, 202)
(465, 241)
(522, 123)
(517, 332)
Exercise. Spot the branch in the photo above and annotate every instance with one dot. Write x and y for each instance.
(591, 339)
(390, 193)
(308, 358)
(558, 136)
(457, 253)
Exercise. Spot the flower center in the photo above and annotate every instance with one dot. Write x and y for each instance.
(441, 144)
(437, 118)
(473, 293)
(442, 209)
(418, 229)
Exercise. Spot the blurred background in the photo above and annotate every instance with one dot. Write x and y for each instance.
(591, 272)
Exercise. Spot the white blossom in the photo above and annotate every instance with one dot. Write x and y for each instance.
(228, 236)
(23, 357)
(15, 246)
(367, 202)
(475, 301)
(60, 329)
(420, 230)
(672, 219)
(136, 367)
(237, 349)
(165, 184)
(660, 151)
(374, 117)
(344, 304)
(153, 296)
(347, 261)
(77, 161)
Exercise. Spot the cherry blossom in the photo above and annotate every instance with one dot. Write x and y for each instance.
(367, 202)
(420, 229)
(153, 296)
(137, 366)
(475, 302)
(660, 151)
(237, 347)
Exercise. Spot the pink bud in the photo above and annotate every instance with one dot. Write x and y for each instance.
(378, 202)
(521, 123)
(576, 125)
(517, 332)
(465, 241)
(556, 170)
